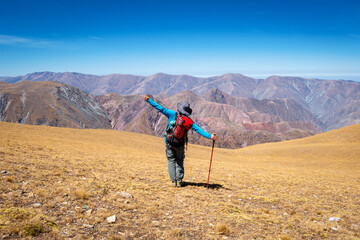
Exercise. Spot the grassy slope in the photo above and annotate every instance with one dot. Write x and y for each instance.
(285, 190)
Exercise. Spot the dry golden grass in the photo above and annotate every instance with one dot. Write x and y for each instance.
(62, 183)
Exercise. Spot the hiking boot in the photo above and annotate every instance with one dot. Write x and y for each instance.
(174, 184)
(180, 184)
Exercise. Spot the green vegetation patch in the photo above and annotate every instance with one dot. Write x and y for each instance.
(24, 222)
(15, 213)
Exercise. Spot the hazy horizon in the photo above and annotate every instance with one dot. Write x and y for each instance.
(252, 75)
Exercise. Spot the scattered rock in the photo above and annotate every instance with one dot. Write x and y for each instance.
(334, 229)
(286, 214)
(88, 212)
(85, 207)
(156, 222)
(31, 194)
(64, 203)
(355, 226)
(88, 226)
(126, 195)
(37, 205)
(111, 219)
(77, 237)
(334, 219)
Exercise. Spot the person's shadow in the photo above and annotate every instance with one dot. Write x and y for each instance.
(212, 186)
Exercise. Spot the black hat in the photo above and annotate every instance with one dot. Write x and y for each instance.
(184, 108)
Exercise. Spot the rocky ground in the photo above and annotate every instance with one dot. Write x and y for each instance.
(59, 183)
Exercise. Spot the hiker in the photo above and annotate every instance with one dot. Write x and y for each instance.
(176, 137)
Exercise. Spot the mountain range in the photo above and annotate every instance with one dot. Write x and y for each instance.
(242, 110)
(328, 100)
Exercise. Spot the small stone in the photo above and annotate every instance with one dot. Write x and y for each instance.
(334, 219)
(77, 237)
(31, 194)
(156, 222)
(3, 172)
(126, 195)
(111, 219)
(334, 229)
(85, 207)
(64, 203)
(88, 212)
(88, 226)
(211, 225)
(286, 214)
(37, 205)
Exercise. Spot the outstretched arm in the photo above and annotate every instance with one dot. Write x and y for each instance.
(168, 112)
(163, 110)
(203, 133)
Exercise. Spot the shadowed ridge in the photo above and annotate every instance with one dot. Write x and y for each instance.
(52, 104)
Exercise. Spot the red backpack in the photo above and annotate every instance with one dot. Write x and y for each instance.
(177, 134)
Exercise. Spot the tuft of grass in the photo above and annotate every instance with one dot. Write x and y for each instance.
(15, 213)
(10, 179)
(222, 228)
(34, 229)
(175, 234)
(285, 237)
(81, 194)
(115, 237)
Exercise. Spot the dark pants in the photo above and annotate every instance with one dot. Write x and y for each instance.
(175, 156)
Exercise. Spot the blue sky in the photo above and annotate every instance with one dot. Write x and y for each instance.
(318, 38)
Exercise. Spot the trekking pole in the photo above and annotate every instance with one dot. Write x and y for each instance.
(212, 150)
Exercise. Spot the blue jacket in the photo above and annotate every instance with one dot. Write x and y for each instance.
(171, 115)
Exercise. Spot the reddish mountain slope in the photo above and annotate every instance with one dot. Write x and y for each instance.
(234, 125)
